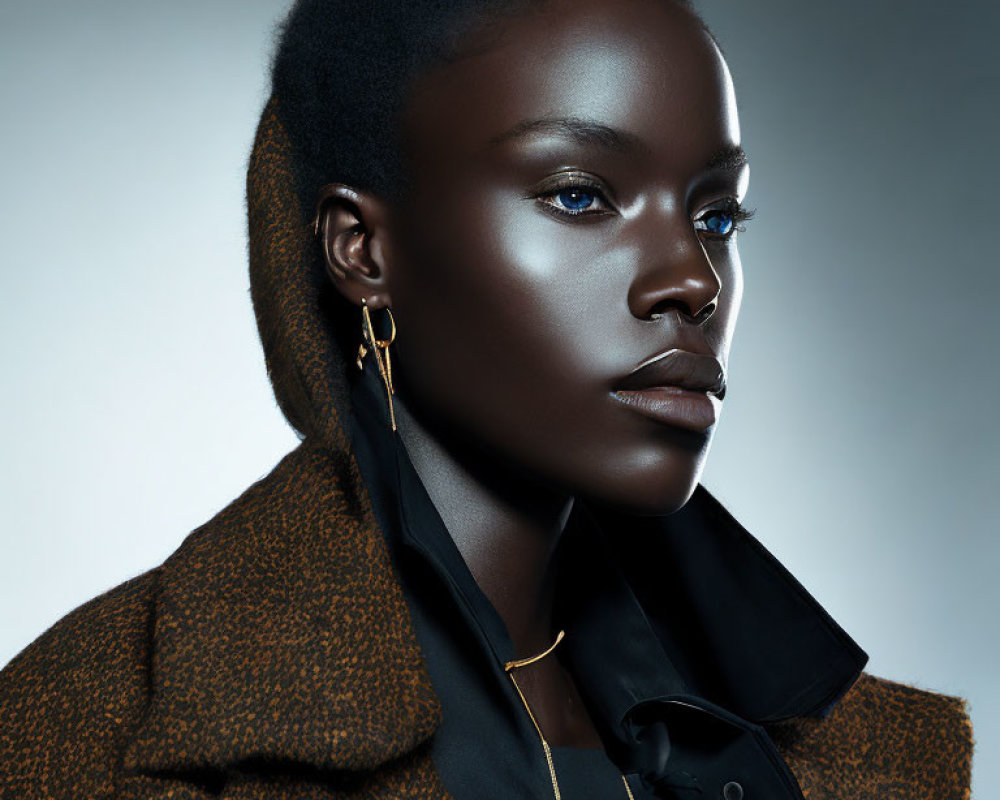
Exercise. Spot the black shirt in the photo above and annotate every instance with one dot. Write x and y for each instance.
(683, 636)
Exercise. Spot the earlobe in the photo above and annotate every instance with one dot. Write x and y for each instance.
(350, 225)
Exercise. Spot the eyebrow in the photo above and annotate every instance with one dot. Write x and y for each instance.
(589, 132)
(730, 158)
(584, 131)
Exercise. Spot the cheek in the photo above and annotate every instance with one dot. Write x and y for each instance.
(514, 303)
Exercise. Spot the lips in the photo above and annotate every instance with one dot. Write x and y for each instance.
(680, 368)
(676, 388)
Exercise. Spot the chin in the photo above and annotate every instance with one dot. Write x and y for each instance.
(655, 485)
(665, 502)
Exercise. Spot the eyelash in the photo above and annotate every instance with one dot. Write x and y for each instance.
(730, 207)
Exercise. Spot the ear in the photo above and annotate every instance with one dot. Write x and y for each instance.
(353, 230)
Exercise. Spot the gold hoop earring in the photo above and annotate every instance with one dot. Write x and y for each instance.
(380, 348)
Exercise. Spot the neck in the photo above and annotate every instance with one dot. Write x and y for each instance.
(505, 526)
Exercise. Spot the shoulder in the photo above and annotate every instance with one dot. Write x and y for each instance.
(883, 739)
(66, 699)
(72, 700)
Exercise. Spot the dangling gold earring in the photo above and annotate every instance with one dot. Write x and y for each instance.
(380, 348)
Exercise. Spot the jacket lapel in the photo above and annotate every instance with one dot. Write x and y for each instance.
(282, 636)
(284, 662)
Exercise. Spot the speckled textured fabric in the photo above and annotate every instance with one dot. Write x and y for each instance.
(883, 741)
(272, 655)
(273, 649)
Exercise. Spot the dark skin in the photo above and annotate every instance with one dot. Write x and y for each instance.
(533, 264)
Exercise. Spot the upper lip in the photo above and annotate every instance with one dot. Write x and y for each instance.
(675, 367)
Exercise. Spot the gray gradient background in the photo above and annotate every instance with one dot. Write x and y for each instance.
(860, 437)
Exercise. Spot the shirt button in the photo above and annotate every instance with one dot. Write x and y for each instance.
(732, 791)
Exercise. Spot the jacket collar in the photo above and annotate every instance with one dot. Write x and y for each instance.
(281, 633)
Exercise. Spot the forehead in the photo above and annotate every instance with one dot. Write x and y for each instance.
(646, 68)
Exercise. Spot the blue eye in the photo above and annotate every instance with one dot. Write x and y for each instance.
(575, 199)
(572, 194)
(719, 223)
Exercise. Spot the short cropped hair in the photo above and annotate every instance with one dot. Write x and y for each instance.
(341, 73)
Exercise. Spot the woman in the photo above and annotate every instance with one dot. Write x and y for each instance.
(494, 264)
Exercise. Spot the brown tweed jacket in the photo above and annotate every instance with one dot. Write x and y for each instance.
(272, 655)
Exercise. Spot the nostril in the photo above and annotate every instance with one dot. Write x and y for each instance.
(665, 306)
(705, 313)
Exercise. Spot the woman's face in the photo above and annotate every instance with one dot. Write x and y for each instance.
(576, 180)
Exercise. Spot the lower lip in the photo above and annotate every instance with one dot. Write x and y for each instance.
(672, 405)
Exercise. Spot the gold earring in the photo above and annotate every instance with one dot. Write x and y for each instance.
(380, 348)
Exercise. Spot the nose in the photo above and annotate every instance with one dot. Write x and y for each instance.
(677, 274)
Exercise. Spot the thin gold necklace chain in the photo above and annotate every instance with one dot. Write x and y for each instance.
(509, 667)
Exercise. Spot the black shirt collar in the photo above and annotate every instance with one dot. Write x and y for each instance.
(687, 606)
